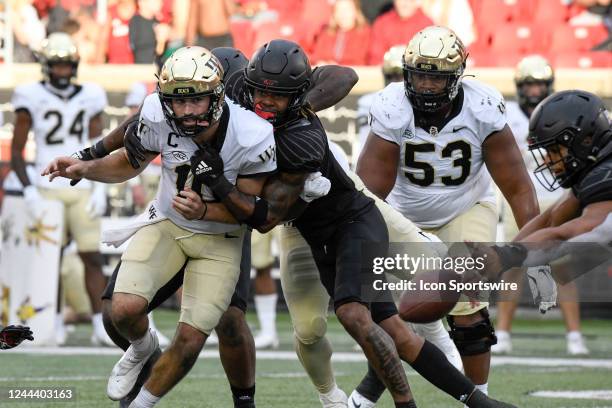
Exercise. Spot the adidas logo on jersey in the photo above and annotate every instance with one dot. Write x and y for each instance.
(202, 168)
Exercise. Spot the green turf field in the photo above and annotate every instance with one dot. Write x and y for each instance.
(538, 363)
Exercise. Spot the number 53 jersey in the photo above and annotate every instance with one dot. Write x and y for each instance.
(440, 172)
(245, 142)
(60, 122)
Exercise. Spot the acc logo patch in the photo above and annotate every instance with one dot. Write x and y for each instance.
(179, 155)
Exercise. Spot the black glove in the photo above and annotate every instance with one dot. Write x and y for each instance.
(133, 145)
(207, 169)
(12, 336)
(96, 151)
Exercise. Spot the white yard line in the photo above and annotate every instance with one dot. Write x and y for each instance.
(340, 357)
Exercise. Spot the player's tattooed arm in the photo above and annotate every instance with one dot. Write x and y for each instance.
(377, 165)
(331, 83)
(23, 123)
(281, 193)
(114, 168)
(505, 163)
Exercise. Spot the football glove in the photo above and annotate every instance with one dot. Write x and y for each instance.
(133, 145)
(543, 287)
(12, 336)
(315, 186)
(207, 168)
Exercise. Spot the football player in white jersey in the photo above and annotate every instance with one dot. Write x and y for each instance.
(430, 140)
(189, 114)
(64, 116)
(534, 79)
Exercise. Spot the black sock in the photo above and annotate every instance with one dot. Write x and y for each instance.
(432, 364)
(479, 400)
(243, 397)
(370, 386)
(409, 404)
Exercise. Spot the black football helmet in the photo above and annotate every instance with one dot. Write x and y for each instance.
(279, 67)
(577, 120)
(233, 62)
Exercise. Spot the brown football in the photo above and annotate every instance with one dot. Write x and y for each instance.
(431, 299)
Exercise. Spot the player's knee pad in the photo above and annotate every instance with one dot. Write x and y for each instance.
(311, 331)
(474, 339)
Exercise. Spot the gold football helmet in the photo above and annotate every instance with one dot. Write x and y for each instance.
(434, 51)
(56, 49)
(533, 69)
(191, 72)
(392, 64)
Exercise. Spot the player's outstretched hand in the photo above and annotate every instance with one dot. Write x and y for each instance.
(67, 167)
(189, 204)
(12, 336)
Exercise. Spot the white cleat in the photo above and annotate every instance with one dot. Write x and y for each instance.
(576, 346)
(356, 400)
(436, 333)
(266, 341)
(100, 338)
(336, 398)
(125, 372)
(504, 343)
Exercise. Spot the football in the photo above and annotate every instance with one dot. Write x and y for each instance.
(430, 299)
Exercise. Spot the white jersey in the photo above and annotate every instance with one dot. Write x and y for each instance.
(441, 172)
(519, 123)
(248, 150)
(60, 124)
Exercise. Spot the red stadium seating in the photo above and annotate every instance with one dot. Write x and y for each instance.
(576, 39)
(270, 30)
(548, 13)
(515, 39)
(592, 59)
(242, 32)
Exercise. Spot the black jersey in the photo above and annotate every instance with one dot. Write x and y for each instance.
(302, 147)
(596, 185)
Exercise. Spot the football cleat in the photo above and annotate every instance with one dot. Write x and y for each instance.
(125, 372)
(504, 343)
(336, 398)
(266, 341)
(576, 346)
(356, 400)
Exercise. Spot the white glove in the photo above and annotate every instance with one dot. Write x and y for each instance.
(34, 201)
(315, 186)
(96, 207)
(543, 287)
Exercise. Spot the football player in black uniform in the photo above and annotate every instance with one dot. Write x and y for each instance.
(336, 226)
(571, 139)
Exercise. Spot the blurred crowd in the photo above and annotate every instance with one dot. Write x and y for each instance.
(351, 32)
